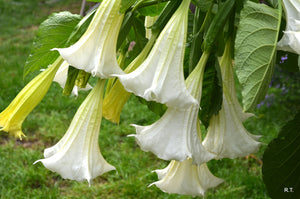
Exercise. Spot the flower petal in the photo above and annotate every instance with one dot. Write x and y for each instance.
(160, 77)
(186, 179)
(291, 38)
(227, 137)
(95, 51)
(176, 135)
(77, 155)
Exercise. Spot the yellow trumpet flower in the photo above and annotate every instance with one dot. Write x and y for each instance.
(12, 117)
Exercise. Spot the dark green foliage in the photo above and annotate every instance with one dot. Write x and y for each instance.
(281, 166)
(212, 94)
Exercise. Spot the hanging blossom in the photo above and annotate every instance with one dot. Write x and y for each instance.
(291, 37)
(95, 51)
(12, 118)
(61, 78)
(77, 155)
(117, 96)
(175, 136)
(227, 136)
(186, 178)
(226, 66)
(160, 77)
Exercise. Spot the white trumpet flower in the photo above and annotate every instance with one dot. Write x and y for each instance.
(226, 136)
(160, 77)
(291, 38)
(61, 78)
(77, 155)
(186, 178)
(176, 135)
(95, 51)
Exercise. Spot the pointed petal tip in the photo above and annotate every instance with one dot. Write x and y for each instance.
(37, 161)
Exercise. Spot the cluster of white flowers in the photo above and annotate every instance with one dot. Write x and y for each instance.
(176, 136)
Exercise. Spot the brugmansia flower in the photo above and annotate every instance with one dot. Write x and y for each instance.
(226, 66)
(61, 78)
(31, 95)
(291, 38)
(176, 135)
(77, 155)
(95, 51)
(186, 178)
(117, 96)
(160, 77)
(227, 137)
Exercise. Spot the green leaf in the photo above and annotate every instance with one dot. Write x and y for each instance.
(53, 33)
(203, 5)
(165, 15)
(255, 51)
(212, 94)
(281, 166)
(153, 10)
(125, 28)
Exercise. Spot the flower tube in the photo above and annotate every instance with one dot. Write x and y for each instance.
(160, 77)
(291, 37)
(95, 51)
(229, 81)
(186, 178)
(11, 119)
(77, 155)
(175, 136)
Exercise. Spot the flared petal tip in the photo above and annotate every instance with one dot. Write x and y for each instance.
(18, 133)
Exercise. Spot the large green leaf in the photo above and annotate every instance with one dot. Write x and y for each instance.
(255, 50)
(53, 33)
(281, 166)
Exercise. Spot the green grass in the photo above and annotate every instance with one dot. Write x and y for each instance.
(19, 178)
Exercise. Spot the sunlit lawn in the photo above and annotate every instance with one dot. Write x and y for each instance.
(19, 178)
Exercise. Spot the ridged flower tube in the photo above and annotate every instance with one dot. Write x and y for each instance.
(61, 78)
(291, 37)
(11, 119)
(226, 66)
(227, 136)
(77, 155)
(149, 21)
(95, 51)
(175, 136)
(160, 77)
(186, 178)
